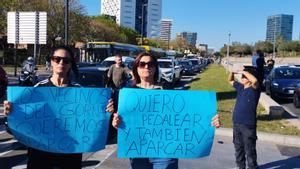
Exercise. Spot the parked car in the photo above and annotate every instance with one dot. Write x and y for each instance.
(282, 81)
(169, 70)
(187, 67)
(196, 65)
(86, 64)
(3, 82)
(296, 97)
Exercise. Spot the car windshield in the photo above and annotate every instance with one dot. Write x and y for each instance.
(164, 64)
(91, 80)
(195, 62)
(106, 63)
(185, 63)
(287, 74)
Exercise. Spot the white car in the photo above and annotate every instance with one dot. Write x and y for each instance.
(126, 60)
(169, 69)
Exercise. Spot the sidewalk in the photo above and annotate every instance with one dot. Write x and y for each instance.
(222, 157)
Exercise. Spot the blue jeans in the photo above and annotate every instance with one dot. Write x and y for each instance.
(154, 163)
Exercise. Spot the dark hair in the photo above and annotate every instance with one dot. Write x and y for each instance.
(71, 54)
(136, 65)
(252, 70)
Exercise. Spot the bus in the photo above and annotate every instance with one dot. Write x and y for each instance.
(157, 52)
(97, 51)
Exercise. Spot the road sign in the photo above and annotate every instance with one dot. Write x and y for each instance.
(27, 27)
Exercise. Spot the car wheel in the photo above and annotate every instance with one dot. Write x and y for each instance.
(267, 90)
(296, 101)
(273, 96)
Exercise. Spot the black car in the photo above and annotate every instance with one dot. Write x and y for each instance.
(296, 98)
(187, 67)
(282, 81)
(92, 77)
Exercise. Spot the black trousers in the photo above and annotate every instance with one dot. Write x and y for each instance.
(244, 140)
(44, 160)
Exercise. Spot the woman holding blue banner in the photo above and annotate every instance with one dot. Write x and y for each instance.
(145, 72)
(63, 62)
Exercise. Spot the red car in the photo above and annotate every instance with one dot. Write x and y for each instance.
(3, 82)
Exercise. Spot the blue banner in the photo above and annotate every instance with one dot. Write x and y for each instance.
(165, 123)
(60, 120)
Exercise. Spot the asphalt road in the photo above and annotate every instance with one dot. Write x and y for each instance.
(13, 154)
(289, 107)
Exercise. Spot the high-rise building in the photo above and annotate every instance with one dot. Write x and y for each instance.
(142, 15)
(279, 25)
(165, 32)
(191, 37)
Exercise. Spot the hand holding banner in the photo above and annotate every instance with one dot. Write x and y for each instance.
(165, 123)
(59, 120)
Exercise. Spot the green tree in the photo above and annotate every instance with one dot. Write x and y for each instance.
(179, 44)
(264, 46)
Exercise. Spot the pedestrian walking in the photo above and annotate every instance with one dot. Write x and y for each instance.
(118, 74)
(244, 118)
(145, 72)
(63, 62)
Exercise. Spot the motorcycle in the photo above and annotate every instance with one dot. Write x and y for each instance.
(28, 78)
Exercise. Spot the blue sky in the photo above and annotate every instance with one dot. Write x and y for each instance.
(213, 19)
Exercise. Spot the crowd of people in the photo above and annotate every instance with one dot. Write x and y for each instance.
(145, 75)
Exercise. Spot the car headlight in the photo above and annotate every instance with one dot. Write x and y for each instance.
(275, 84)
(167, 73)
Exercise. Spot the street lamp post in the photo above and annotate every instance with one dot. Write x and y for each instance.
(229, 34)
(66, 21)
(274, 39)
(142, 28)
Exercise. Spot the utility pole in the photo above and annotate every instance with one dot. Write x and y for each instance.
(66, 22)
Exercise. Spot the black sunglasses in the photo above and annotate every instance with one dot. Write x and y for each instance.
(57, 59)
(150, 64)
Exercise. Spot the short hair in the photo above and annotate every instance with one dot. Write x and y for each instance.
(136, 76)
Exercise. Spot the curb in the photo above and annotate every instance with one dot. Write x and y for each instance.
(267, 137)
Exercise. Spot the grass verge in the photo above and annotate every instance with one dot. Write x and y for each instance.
(214, 78)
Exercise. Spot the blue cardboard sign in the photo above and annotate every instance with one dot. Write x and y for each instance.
(165, 123)
(60, 120)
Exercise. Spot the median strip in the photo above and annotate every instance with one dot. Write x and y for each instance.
(214, 78)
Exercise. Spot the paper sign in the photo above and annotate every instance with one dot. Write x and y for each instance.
(165, 123)
(60, 120)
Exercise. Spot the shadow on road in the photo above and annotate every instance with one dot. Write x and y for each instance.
(90, 163)
(10, 161)
(289, 163)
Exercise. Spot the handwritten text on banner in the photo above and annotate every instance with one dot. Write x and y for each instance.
(60, 120)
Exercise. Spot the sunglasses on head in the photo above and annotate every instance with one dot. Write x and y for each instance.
(57, 59)
(143, 64)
